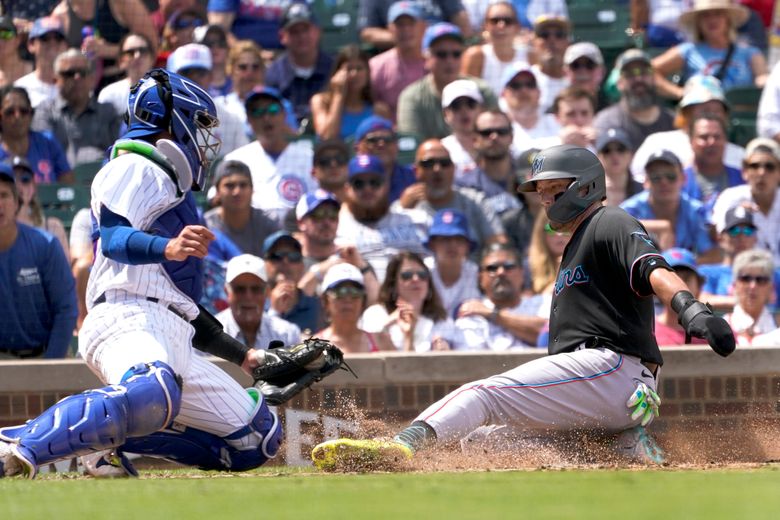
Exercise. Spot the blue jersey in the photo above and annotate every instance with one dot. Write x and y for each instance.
(46, 157)
(37, 294)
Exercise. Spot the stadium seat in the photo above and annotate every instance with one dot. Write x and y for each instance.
(743, 108)
(407, 148)
(603, 22)
(63, 201)
(338, 21)
(85, 172)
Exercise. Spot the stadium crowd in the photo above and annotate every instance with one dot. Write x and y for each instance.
(367, 185)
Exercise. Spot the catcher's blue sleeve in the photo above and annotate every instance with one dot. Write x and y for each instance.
(123, 243)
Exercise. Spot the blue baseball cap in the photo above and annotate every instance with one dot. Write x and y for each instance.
(265, 92)
(372, 124)
(365, 164)
(404, 8)
(613, 135)
(272, 239)
(680, 257)
(513, 70)
(45, 25)
(450, 223)
(438, 31)
(314, 200)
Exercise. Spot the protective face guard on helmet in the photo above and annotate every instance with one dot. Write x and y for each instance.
(208, 144)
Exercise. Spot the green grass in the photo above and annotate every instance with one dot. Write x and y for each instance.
(276, 494)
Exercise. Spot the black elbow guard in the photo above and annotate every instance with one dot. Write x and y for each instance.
(210, 338)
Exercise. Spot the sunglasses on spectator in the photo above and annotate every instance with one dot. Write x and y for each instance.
(614, 149)
(552, 232)
(735, 231)
(7, 35)
(52, 37)
(636, 72)
(136, 51)
(443, 55)
(292, 257)
(384, 139)
(346, 292)
(217, 42)
(495, 20)
(331, 160)
(374, 182)
(583, 64)
(247, 66)
(244, 289)
(183, 23)
(459, 103)
(24, 178)
(506, 266)
(19, 111)
(72, 73)
(324, 214)
(760, 280)
(409, 275)
(668, 176)
(443, 162)
(502, 131)
(271, 110)
(768, 166)
(558, 35)
(519, 85)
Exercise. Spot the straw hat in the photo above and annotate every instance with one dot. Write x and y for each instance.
(737, 13)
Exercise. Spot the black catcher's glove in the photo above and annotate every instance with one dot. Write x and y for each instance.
(289, 370)
(698, 320)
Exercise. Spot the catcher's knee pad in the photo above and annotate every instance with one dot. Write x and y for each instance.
(147, 400)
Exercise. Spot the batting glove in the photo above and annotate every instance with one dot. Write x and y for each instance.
(645, 403)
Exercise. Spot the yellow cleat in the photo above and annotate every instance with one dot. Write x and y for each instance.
(360, 455)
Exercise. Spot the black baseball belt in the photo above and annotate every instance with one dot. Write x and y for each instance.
(102, 299)
(24, 353)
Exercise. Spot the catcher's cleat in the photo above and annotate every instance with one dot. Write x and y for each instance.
(110, 463)
(359, 455)
(12, 463)
(639, 446)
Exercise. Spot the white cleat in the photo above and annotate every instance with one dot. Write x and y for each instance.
(639, 446)
(108, 464)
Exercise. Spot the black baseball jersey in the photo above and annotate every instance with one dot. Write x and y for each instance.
(603, 295)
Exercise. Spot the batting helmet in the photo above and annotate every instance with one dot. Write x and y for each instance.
(569, 162)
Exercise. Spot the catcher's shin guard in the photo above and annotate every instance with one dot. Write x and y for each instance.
(146, 400)
(207, 451)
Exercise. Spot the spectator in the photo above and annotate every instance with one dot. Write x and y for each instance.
(520, 100)
(193, 61)
(761, 172)
(419, 107)
(434, 191)
(503, 319)
(490, 60)
(409, 309)
(583, 65)
(753, 272)
(495, 172)
(260, 22)
(374, 17)
(658, 21)
(246, 284)
(41, 150)
(668, 330)
(344, 300)
(707, 177)
(281, 168)
(518, 222)
(303, 70)
(23, 13)
(136, 56)
(30, 211)
(84, 127)
(330, 166)
(574, 109)
(769, 107)
(714, 50)
(638, 112)
(615, 150)
(668, 214)
(38, 300)
(12, 66)
(461, 102)
(180, 30)
(703, 95)
(45, 42)
(166, 9)
(527, 11)
(397, 68)
(215, 38)
(454, 275)
(247, 72)
(284, 264)
(375, 136)
(367, 221)
(347, 101)
(550, 40)
(245, 226)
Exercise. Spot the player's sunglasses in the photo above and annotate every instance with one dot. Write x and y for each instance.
(501, 131)
(374, 182)
(384, 139)
(346, 292)
(666, 176)
(421, 275)
(443, 162)
(768, 166)
(292, 257)
(443, 55)
(19, 111)
(331, 160)
(735, 231)
(495, 20)
(506, 266)
(463, 102)
(136, 51)
(324, 214)
(760, 280)
(583, 64)
(255, 290)
(519, 85)
(271, 110)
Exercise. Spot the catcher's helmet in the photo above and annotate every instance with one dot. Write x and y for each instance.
(164, 101)
(569, 162)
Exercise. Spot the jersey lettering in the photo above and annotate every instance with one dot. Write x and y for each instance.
(567, 278)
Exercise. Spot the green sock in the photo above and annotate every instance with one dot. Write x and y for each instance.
(416, 436)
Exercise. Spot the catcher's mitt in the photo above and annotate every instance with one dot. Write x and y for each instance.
(289, 370)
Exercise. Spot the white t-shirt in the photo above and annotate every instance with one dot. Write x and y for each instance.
(463, 160)
(465, 288)
(117, 94)
(769, 106)
(375, 317)
(549, 87)
(741, 322)
(481, 334)
(37, 89)
(271, 328)
(767, 226)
